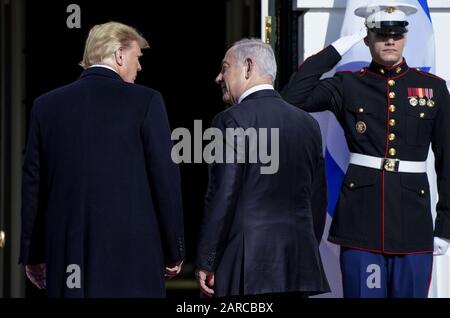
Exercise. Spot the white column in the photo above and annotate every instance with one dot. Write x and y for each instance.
(264, 14)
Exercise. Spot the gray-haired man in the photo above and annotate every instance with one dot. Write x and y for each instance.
(260, 232)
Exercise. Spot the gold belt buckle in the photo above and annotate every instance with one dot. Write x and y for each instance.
(391, 165)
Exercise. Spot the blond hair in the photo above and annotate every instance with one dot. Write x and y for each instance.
(105, 39)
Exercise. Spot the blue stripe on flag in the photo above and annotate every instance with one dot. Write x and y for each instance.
(424, 68)
(335, 177)
(424, 5)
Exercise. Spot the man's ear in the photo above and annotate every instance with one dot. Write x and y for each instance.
(366, 40)
(248, 67)
(118, 55)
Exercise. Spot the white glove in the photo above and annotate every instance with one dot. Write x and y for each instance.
(345, 43)
(440, 246)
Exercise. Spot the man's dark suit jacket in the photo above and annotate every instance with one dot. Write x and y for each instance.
(100, 189)
(261, 232)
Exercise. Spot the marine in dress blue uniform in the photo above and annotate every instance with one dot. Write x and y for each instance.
(390, 115)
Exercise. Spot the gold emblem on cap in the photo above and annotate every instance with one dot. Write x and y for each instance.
(390, 9)
(430, 103)
(413, 101)
(361, 127)
(422, 102)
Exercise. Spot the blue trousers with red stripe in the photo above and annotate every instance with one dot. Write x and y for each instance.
(376, 275)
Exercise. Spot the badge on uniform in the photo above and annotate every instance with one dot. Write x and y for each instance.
(361, 127)
(420, 96)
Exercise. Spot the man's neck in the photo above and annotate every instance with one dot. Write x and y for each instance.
(255, 88)
(106, 66)
(259, 81)
(389, 64)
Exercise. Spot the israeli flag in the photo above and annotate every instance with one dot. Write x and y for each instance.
(419, 53)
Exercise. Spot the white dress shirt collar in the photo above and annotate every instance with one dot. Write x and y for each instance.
(253, 90)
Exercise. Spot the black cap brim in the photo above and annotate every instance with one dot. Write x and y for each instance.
(391, 28)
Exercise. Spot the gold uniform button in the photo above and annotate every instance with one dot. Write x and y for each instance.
(422, 192)
(351, 185)
(361, 110)
(392, 95)
(381, 71)
(392, 108)
(392, 152)
(392, 122)
(2, 239)
(398, 70)
(391, 83)
(422, 115)
(391, 137)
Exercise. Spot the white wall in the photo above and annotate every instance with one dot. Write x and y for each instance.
(441, 24)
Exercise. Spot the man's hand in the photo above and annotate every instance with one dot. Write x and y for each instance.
(205, 281)
(37, 275)
(440, 246)
(173, 270)
(345, 43)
